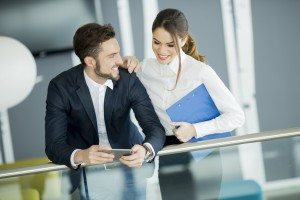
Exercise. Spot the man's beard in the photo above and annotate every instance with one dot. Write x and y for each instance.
(102, 75)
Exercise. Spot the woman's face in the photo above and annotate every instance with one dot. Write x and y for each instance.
(163, 46)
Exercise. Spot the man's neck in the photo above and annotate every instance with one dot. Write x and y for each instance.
(91, 73)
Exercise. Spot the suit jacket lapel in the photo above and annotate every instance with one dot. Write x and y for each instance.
(109, 102)
(85, 98)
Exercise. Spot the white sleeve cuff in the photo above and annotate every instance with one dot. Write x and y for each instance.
(152, 152)
(75, 166)
(204, 128)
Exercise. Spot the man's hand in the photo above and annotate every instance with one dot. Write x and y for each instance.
(185, 132)
(131, 63)
(93, 155)
(137, 157)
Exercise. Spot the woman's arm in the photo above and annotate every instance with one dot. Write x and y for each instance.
(231, 114)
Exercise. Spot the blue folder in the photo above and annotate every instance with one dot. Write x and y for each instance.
(196, 106)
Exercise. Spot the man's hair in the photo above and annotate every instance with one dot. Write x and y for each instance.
(88, 39)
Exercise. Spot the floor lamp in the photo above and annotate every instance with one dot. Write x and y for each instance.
(17, 78)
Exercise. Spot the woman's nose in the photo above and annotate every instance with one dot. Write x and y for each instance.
(162, 49)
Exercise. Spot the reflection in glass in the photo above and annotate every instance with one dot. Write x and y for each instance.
(114, 182)
(192, 177)
(208, 174)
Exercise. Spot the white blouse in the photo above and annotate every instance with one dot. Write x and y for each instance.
(159, 80)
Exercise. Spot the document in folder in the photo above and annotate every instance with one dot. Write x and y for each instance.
(196, 106)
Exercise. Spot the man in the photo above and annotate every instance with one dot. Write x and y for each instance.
(88, 106)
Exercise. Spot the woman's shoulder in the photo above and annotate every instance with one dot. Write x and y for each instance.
(197, 68)
(149, 64)
(149, 61)
(196, 64)
(146, 67)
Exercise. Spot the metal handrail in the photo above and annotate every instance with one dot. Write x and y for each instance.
(230, 141)
(173, 149)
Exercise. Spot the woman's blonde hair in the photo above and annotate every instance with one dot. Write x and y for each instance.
(190, 48)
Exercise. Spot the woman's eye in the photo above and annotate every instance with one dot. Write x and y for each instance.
(155, 42)
(171, 45)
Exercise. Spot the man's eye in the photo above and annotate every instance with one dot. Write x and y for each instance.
(155, 42)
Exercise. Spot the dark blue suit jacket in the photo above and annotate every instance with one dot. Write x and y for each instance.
(70, 121)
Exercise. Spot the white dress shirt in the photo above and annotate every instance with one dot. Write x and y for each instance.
(159, 80)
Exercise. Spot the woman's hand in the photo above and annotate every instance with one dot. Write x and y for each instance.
(185, 131)
(131, 63)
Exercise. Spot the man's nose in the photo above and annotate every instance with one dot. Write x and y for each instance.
(119, 60)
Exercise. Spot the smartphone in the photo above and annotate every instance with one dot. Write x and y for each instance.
(118, 153)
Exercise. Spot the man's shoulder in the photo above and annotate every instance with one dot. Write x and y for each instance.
(67, 75)
(128, 80)
(125, 75)
(124, 72)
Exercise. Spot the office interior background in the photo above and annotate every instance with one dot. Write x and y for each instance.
(273, 59)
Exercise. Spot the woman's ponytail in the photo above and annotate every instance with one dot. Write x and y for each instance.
(191, 49)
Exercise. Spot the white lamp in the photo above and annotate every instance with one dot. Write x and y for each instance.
(17, 78)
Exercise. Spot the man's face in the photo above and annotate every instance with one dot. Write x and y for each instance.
(108, 60)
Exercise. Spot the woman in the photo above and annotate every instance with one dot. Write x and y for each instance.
(177, 70)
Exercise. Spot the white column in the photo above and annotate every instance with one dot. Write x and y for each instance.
(230, 49)
(252, 156)
(125, 27)
(150, 10)
(238, 36)
(244, 36)
(98, 11)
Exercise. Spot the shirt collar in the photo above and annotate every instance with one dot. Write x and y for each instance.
(90, 81)
(174, 64)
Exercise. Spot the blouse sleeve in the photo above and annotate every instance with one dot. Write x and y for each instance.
(231, 114)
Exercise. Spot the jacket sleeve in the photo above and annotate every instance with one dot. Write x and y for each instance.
(145, 114)
(56, 120)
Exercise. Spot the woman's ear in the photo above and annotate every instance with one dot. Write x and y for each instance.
(89, 61)
(183, 41)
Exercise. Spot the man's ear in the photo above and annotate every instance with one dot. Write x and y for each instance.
(90, 61)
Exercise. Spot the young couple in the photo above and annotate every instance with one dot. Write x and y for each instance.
(88, 106)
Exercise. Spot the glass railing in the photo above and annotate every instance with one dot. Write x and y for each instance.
(228, 168)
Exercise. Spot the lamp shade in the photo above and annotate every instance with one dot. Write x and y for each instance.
(17, 72)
